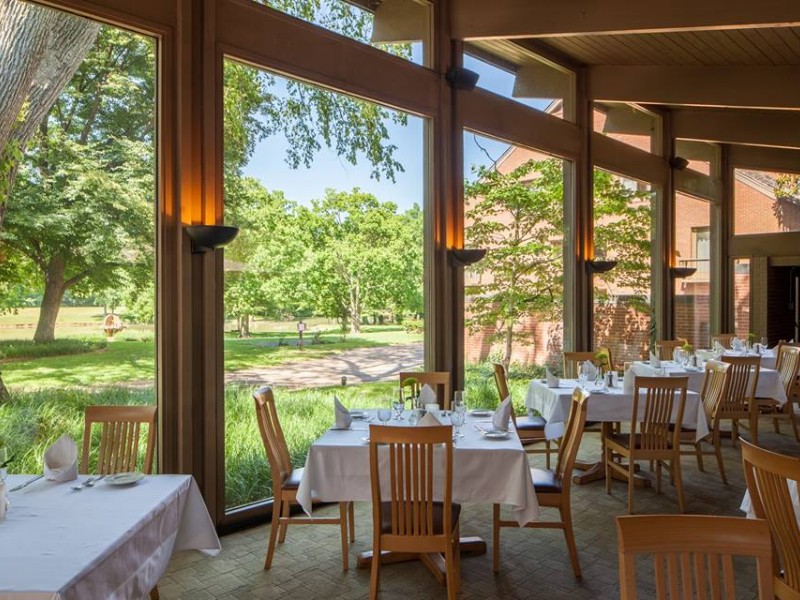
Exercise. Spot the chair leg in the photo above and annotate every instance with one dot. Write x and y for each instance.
(631, 471)
(273, 531)
(343, 524)
(790, 408)
(569, 534)
(676, 471)
(547, 453)
(718, 452)
(457, 558)
(375, 574)
(352, 519)
(734, 431)
(658, 477)
(777, 424)
(754, 429)
(606, 461)
(698, 452)
(284, 526)
(449, 565)
(154, 594)
(496, 539)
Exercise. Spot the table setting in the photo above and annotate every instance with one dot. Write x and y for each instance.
(67, 535)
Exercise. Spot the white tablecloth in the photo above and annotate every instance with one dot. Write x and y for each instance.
(484, 471)
(614, 405)
(768, 357)
(100, 542)
(769, 381)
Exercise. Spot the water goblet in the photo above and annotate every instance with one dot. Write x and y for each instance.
(398, 406)
(384, 414)
(457, 420)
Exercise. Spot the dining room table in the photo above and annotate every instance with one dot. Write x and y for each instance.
(486, 470)
(606, 405)
(64, 541)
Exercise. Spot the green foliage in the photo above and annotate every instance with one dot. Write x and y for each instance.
(28, 349)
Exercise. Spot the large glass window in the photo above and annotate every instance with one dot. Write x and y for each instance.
(766, 202)
(623, 232)
(628, 124)
(693, 250)
(702, 156)
(323, 285)
(399, 27)
(77, 226)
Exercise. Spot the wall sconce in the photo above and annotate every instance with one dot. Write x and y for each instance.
(600, 266)
(682, 272)
(464, 257)
(462, 79)
(210, 237)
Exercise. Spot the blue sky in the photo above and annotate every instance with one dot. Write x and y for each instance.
(329, 171)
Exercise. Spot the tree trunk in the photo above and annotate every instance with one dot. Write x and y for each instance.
(355, 308)
(54, 289)
(40, 50)
(509, 344)
(5, 396)
(244, 326)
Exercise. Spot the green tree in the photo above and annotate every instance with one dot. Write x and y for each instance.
(356, 261)
(518, 216)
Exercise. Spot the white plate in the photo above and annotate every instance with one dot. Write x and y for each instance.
(359, 414)
(496, 435)
(478, 412)
(124, 478)
(365, 439)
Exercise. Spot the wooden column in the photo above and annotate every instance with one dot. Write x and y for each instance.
(722, 316)
(664, 243)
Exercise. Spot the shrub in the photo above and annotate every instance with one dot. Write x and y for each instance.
(29, 349)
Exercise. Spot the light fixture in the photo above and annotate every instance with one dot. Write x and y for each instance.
(600, 266)
(464, 257)
(461, 78)
(210, 237)
(682, 272)
(678, 163)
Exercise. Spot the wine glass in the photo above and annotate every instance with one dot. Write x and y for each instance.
(457, 420)
(398, 406)
(458, 401)
(384, 414)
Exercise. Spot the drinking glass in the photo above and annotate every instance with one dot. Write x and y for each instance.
(457, 419)
(398, 406)
(384, 414)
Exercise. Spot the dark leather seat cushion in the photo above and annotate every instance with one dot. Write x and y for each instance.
(531, 423)
(623, 439)
(293, 481)
(438, 516)
(545, 481)
(683, 429)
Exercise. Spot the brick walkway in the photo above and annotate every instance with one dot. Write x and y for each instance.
(534, 562)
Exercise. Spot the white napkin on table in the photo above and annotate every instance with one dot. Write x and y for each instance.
(628, 381)
(590, 370)
(429, 420)
(341, 414)
(718, 347)
(427, 395)
(552, 380)
(61, 460)
(502, 415)
(655, 361)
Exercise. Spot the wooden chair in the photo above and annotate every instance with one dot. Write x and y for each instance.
(715, 391)
(692, 554)
(651, 437)
(723, 338)
(665, 349)
(412, 382)
(787, 364)
(739, 404)
(286, 479)
(553, 487)
(412, 520)
(529, 428)
(573, 362)
(768, 477)
(119, 438)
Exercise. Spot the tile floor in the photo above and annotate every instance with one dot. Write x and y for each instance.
(535, 563)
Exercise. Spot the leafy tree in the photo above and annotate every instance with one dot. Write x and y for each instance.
(518, 215)
(355, 262)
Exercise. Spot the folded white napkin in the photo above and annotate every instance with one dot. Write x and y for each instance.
(588, 369)
(552, 380)
(427, 395)
(655, 361)
(502, 415)
(341, 414)
(429, 420)
(628, 381)
(737, 344)
(61, 460)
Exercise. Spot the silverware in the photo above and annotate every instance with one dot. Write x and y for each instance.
(26, 484)
(86, 483)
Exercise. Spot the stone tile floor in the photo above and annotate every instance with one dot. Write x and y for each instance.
(535, 563)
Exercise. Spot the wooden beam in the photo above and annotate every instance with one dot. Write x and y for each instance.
(508, 120)
(759, 128)
(698, 185)
(618, 157)
(742, 87)
(784, 243)
(474, 19)
(767, 159)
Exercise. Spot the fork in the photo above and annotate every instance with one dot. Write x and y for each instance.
(87, 483)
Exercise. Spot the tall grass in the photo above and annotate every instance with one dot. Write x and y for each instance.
(16, 349)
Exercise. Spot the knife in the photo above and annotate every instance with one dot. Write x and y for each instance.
(26, 484)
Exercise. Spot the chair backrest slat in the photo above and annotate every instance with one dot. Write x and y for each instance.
(571, 440)
(716, 387)
(742, 383)
(573, 362)
(693, 554)
(120, 436)
(787, 363)
(656, 416)
(280, 462)
(768, 475)
(411, 382)
(666, 348)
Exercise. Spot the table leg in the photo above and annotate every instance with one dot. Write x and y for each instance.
(472, 545)
(595, 471)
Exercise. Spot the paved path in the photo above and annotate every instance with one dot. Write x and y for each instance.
(359, 366)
